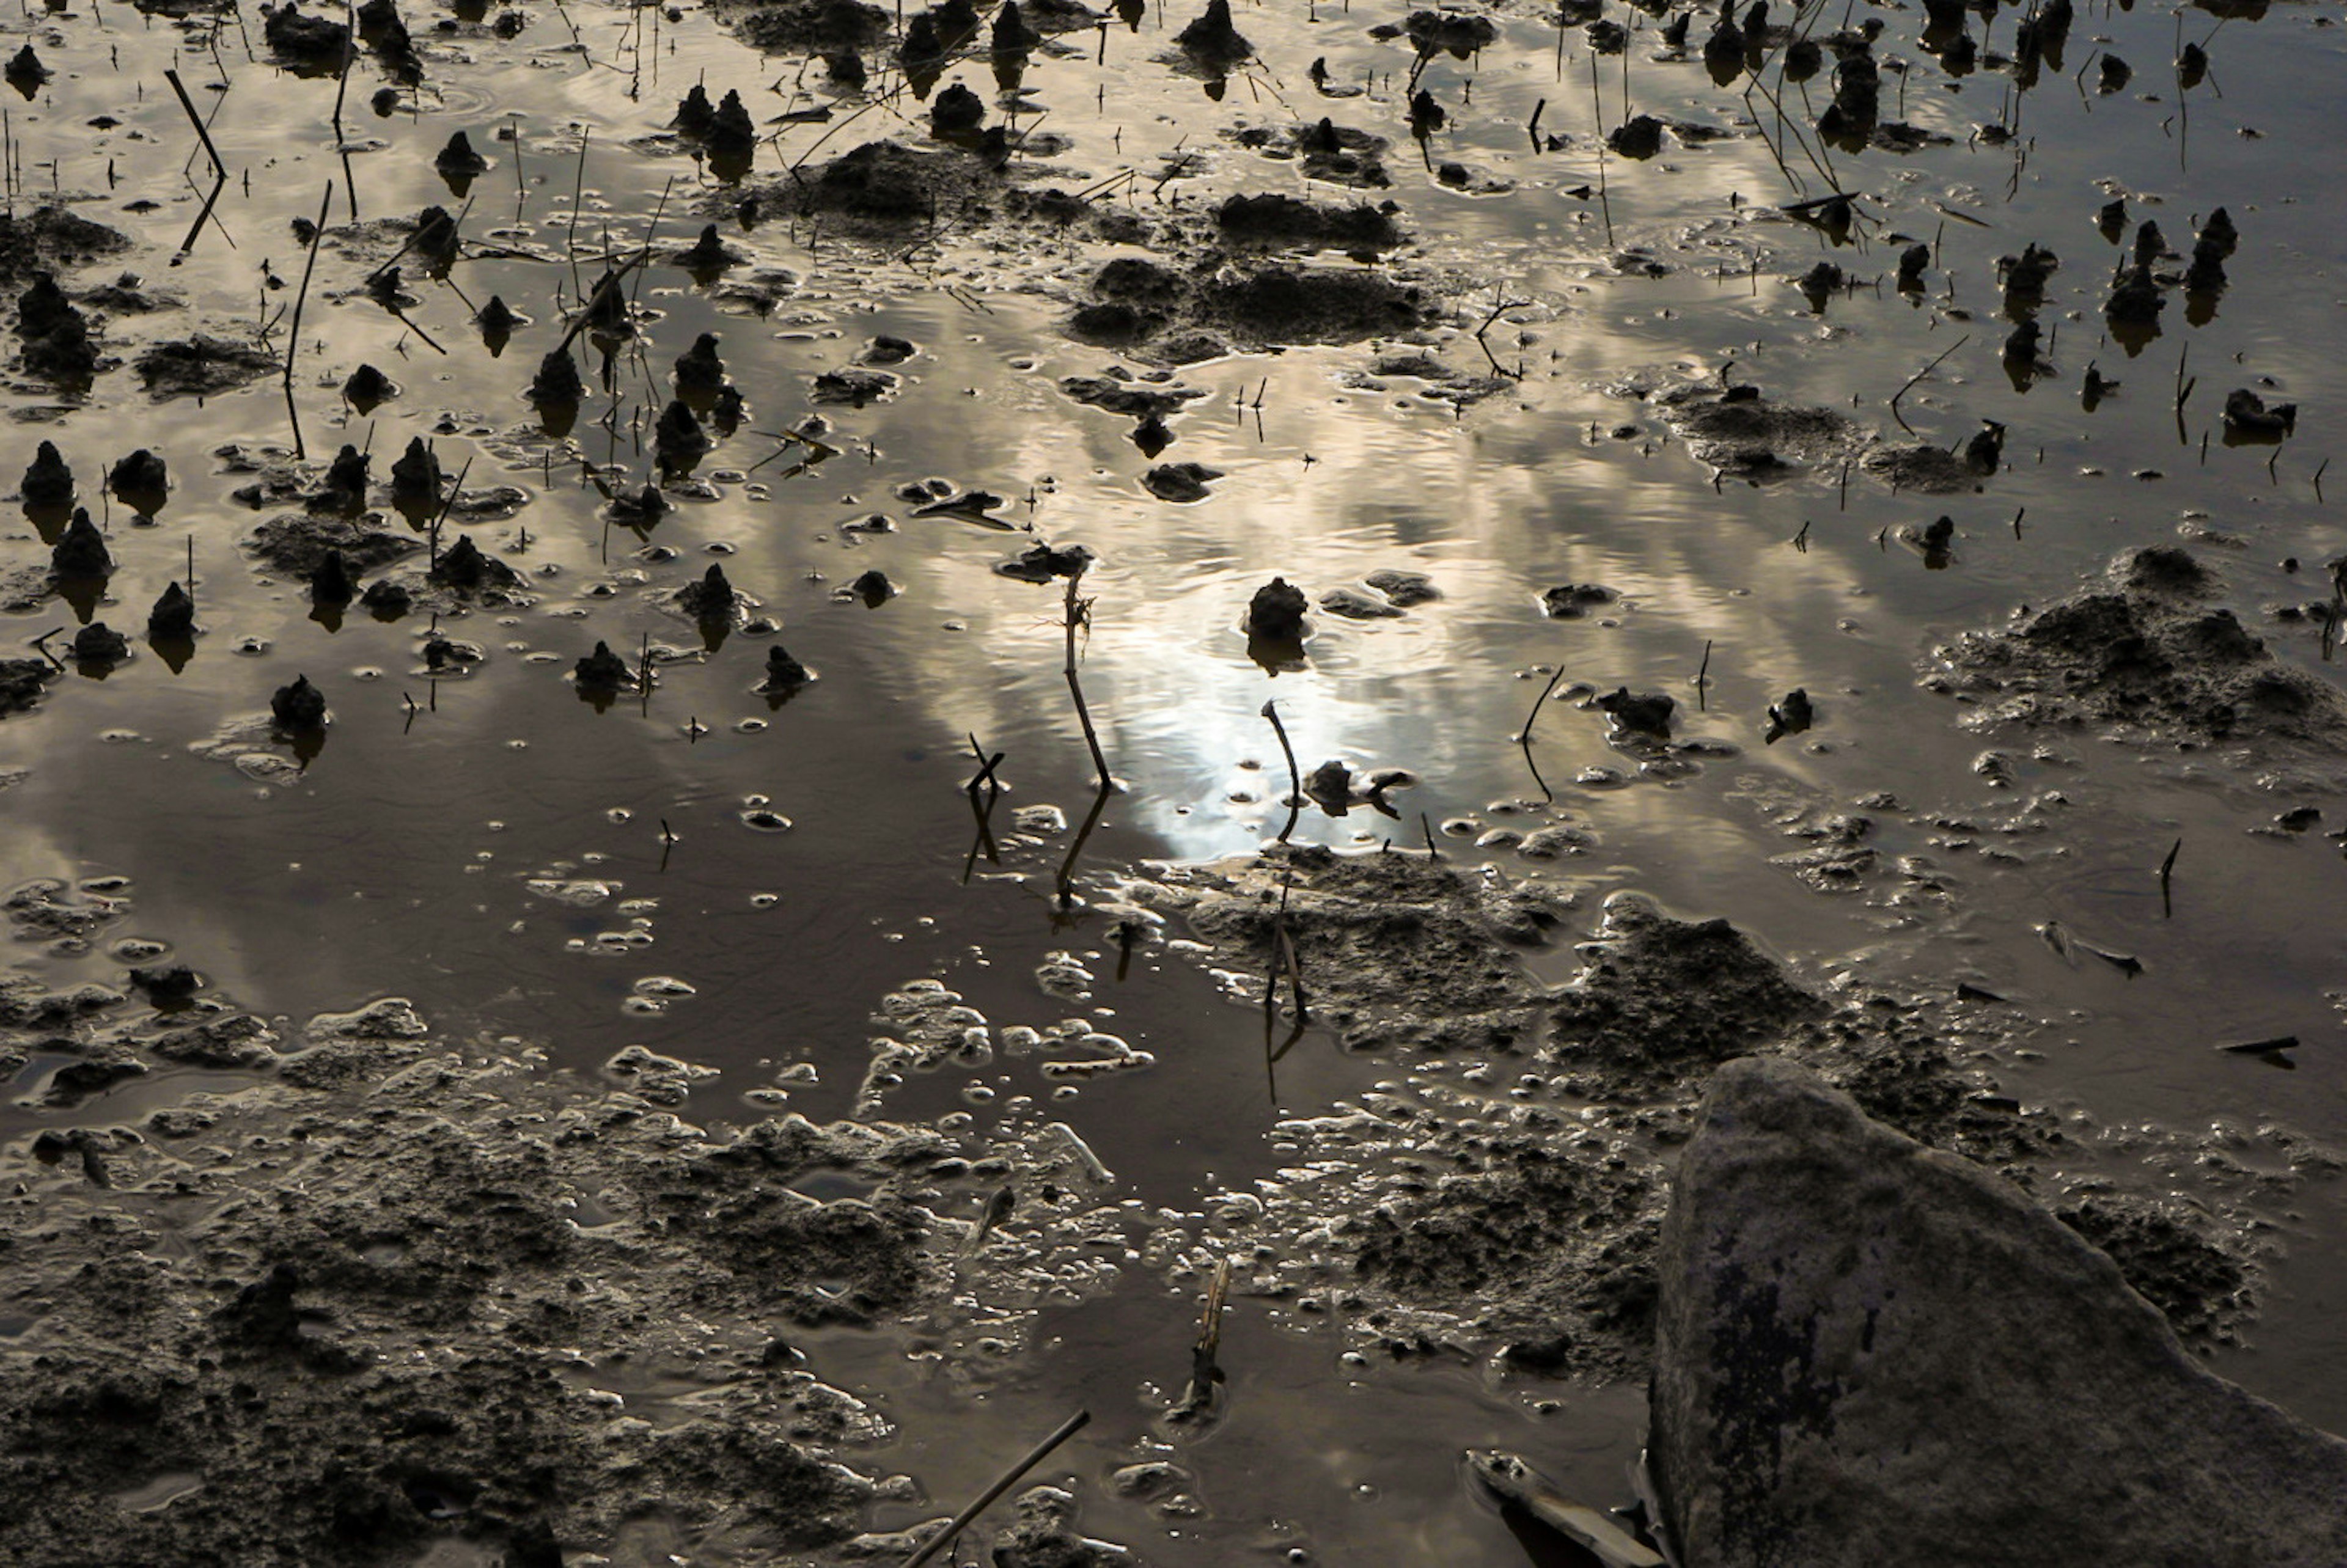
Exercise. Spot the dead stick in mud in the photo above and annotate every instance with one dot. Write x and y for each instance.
(1035, 1456)
(432, 541)
(2166, 867)
(1920, 375)
(197, 121)
(1427, 828)
(1294, 777)
(986, 767)
(1205, 1368)
(1080, 613)
(610, 284)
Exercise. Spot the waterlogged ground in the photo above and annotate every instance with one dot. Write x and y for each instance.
(1483, 400)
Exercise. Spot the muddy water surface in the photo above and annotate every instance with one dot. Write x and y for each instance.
(736, 881)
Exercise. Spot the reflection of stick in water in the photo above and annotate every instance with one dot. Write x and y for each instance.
(1080, 613)
(1524, 736)
(1294, 779)
(1066, 881)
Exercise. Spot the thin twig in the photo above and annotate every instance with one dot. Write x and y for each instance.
(1035, 1456)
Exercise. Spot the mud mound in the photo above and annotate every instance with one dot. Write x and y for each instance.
(1337, 155)
(1664, 1000)
(1927, 470)
(2143, 655)
(885, 185)
(52, 238)
(1151, 308)
(202, 367)
(295, 545)
(1749, 436)
(1278, 219)
(810, 26)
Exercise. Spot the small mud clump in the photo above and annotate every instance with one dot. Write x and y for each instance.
(603, 671)
(48, 482)
(1276, 613)
(2145, 657)
(557, 384)
(298, 707)
(80, 551)
(710, 599)
(57, 343)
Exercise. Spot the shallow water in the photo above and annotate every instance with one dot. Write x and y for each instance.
(402, 859)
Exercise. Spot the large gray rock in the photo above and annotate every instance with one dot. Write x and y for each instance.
(1870, 1352)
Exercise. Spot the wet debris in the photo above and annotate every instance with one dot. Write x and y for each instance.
(53, 238)
(1327, 151)
(2143, 655)
(700, 368)
(870, 587)
(416, 477)
(712, 598)
(303, 39)
(853, 386)
(1119, 392)
(709, 254)
(678, 440)
(1924, 469)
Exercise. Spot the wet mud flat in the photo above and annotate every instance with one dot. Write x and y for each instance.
(569, 577)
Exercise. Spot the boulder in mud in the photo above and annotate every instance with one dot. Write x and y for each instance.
(1870, 1352)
